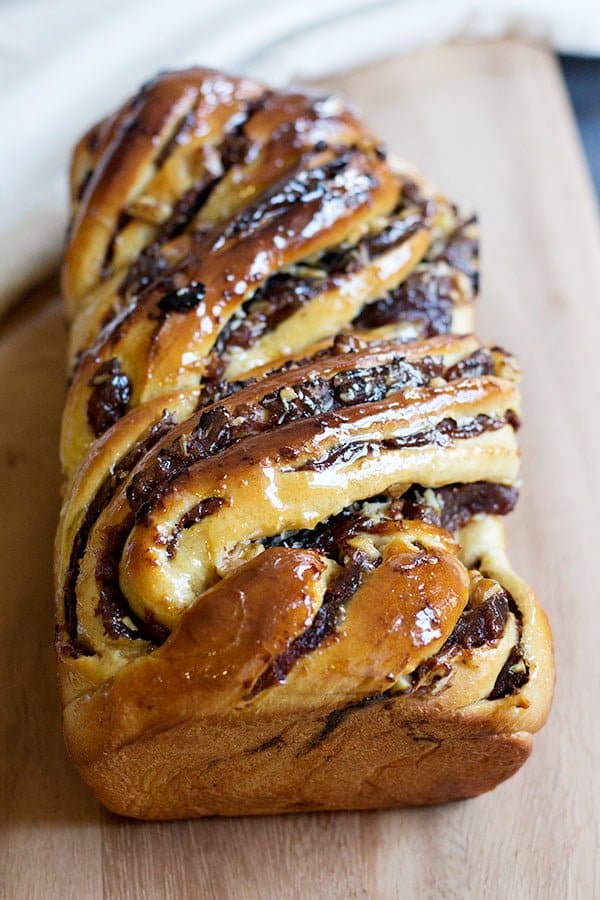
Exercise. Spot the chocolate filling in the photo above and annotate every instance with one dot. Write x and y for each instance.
(215, 391)
(83, 184)
(284, 293)
(181, 131)
(194, 515)
(150, 267)
(232, 150)
(458, 503)
(316, 396)
(98, 502)
(513, 675)
(335, 180)
(397, 231)
(281, 296)
(477, 626)
(439, 435)
(338, 179)
(113, 607)
(461, 251)
(447, 430)
(183, 299)
(426, 297)
(481, 624)
(109, 398)
(346, 260)
(236, 148)
(150, 483)
(187, 206)
(477, 364)
(331, 537)
(123, 219)
(151, 270)
(221, 426)
(411, 192)
(325, 623)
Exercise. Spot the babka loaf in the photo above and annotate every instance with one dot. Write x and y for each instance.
(280, 571)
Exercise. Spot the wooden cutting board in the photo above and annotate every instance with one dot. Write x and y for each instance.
(491, 124)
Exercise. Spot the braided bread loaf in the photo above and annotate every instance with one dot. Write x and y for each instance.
(280, 573)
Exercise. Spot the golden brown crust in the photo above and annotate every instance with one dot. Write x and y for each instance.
(280, 574)
(375, 758)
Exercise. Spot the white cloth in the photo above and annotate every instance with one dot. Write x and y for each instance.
(64, 63)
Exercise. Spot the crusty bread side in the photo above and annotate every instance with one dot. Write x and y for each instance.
(376, 756)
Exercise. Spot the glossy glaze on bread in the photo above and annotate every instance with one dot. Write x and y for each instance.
(285, 460)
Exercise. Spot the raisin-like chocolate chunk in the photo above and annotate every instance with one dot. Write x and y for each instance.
(183, 299)
(109, 400)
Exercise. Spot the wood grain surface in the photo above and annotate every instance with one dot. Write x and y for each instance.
(491, 124)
